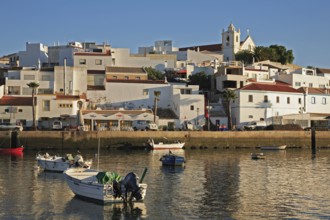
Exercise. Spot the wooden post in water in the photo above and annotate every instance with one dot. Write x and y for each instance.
(313, 141)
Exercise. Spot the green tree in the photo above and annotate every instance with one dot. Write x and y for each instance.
(245, 56)
(227, 97)
(200, 79)
(156, 99)
(275, 53)
(154, 74)
(33, 86)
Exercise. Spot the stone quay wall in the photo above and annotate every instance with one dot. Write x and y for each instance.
(41, 140)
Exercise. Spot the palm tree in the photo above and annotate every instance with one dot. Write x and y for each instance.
(227, 97)
(156, 94)
(33, 86)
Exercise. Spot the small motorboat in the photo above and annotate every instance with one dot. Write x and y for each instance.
(256, 156)
(105, 187)
(171, 159)
(280, 147)
(59, 164)
(14, 147)
(162, 145)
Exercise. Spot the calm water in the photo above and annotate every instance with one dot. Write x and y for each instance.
(214, 184)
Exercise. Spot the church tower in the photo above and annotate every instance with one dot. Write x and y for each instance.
(231, 41)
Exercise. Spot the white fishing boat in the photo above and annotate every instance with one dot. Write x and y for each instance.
(162, 145)
(280, 147)
(59, 164)
(105, 187)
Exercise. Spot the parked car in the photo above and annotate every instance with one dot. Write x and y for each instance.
(255, 125)
(144, 125)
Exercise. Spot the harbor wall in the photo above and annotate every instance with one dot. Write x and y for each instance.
(40, 140)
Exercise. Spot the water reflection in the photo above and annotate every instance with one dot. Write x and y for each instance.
(13, 155)
(88, 210)
(172, 169)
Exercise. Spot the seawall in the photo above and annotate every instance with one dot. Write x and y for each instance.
(40, 140)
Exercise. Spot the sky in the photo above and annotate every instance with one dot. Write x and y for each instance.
(301, 26)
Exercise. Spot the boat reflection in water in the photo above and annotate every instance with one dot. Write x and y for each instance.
(14, 155)
(172, 169)
(82, 207)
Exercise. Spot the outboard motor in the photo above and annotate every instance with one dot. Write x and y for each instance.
(130, 185)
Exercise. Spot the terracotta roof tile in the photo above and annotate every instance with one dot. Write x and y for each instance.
(209, 47)
(273, 87)
(16, 101)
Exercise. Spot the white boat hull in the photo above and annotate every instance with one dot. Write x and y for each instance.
(56, 164)
(161, 145)
(282, 147)
(83, 183)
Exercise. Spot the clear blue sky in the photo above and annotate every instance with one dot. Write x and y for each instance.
(303, 26)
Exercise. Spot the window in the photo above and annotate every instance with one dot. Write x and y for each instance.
(145, 92)
(137, 78)
(250, 98)
(310, 84)
(13, 90)
(46, 105)
(324, 100)
(250, 116)
(299, 100)
(126, 77)
(313, 100)
(192, 108)
(277, 99)
(265, 98)
(288, 100)
(82, 61)
(98, 62)
(114, 77)
(297, 83)
(322, 86)
(236, 38)
(65, 105)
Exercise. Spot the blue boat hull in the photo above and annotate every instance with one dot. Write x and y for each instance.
(172, 160)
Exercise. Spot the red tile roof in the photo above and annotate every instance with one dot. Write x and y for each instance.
(314, 90)
(16, 101)
(273, 87)
(210, 47)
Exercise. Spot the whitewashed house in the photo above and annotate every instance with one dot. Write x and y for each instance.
(266, 102)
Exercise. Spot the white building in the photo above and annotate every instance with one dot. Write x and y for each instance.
(35, 55)
(304, 77)
(265, 102)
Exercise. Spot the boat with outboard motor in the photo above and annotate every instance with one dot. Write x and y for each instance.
(105, 187)
(171, 159)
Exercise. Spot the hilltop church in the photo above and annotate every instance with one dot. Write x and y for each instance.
(231, 44)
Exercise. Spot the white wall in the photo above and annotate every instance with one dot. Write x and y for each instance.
(244, 111)
(35, 53)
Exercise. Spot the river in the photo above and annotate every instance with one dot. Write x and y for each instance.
(213, 184)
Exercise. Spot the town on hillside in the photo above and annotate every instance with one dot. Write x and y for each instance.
(230, 85)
